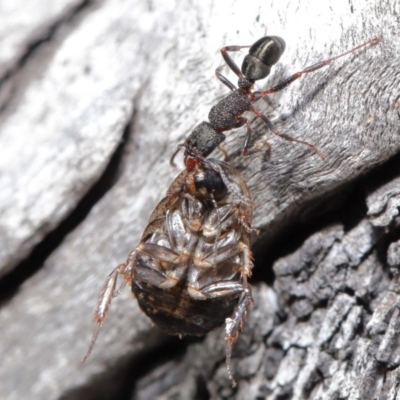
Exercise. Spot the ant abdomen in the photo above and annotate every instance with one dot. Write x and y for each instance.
(263, 54)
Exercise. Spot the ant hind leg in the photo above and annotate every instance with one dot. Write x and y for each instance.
(284, 136)
(259, 146)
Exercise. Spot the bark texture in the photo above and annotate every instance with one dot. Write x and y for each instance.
(94, 98)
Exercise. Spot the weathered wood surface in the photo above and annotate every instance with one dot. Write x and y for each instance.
(24, 24)
(140, 75)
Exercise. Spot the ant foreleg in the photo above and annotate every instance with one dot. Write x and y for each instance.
(223, 150)
(228, 59)
(224, 79)
(172, 159)
(311, 68)
(284, 136)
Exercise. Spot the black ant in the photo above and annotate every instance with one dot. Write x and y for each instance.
(227, 113)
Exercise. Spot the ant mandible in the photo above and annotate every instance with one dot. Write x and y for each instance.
(227, 113)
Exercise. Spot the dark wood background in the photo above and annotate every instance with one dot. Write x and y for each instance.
(94, 98)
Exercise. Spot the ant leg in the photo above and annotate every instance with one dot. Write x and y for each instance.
(223, 150)
(246, 151)
(172, 159)
(224, 79)
(240, 122)
(229, 61)
(247, 137)
(312, 68)
(284, 136)
(259, 146)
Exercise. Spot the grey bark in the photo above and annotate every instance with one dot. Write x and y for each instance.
(89, 88)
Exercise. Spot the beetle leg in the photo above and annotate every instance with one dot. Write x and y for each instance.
(158, 252)
(172, 278)
(149, 275)
(157, 278)
(162, 254)
(218, 221)
(247, 259)
(221, 289)
(196, 293)
(215, 290)
(227, 252)
(108, 292)
(234, 325)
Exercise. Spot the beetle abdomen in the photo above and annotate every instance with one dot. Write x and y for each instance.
(176, 313)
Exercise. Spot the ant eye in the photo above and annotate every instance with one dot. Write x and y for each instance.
(210, 145)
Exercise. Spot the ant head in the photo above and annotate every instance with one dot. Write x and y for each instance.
(201, 142)
(263, 54)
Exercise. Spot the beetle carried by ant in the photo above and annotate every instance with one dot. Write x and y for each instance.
(189, 272)
(227, 113)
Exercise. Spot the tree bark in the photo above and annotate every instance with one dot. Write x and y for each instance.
(95, 97)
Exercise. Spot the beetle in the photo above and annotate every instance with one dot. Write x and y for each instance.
(190, 271)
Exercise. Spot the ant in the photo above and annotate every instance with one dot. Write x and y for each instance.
(227, 113)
